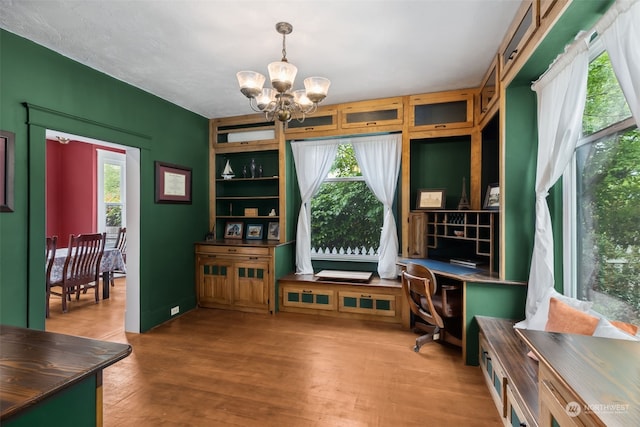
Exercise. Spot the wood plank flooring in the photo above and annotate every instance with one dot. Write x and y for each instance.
(223, 368)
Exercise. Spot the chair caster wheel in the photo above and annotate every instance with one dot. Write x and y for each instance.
(416, 348)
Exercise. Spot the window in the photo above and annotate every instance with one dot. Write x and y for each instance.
(346, 217)
(111, 193)
(606, 201)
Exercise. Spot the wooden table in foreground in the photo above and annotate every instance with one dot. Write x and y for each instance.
(44, 375)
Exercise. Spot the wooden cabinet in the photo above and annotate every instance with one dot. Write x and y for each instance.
(235, 277)
(373, 115)
(465, 233)
(380, 300)
(323, 120)
(519, 34)
(254, 149)
(417, 245)
(441, 111)
(489, 93)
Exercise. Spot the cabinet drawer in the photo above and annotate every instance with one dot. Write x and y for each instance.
(367, 303)
(494, 376)
(321, 120)
(232, 250)
(558, 405)
(321, 299)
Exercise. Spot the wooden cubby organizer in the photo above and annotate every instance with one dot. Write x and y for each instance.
(463, 235)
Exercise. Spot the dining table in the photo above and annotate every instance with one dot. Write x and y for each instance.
(112, 260)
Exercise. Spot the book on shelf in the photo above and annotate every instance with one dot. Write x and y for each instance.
(472, 263)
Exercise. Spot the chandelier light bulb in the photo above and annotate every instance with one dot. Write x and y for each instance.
(279, 102)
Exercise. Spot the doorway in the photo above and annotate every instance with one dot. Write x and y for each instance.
(131, 218)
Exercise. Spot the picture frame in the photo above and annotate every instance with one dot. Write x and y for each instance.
(173, 183)
(254, 231)
(273, 231)
(233, 230)
(492, 197)
(431, 198)
(7, 170)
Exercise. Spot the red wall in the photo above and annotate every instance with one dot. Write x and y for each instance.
(71, 187)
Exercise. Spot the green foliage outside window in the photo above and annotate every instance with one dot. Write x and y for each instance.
(609, 202)
(345, 213)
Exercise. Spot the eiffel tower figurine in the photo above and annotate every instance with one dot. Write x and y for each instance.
(464, 203)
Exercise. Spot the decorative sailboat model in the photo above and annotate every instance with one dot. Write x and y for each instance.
(227, 173)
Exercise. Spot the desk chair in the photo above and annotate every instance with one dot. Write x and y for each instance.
(439, 309)
(81, 267)
(52, 243)
(121, 244)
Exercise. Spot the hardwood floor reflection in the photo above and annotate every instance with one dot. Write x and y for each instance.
(223, 368)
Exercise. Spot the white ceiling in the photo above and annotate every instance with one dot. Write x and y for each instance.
(188, 51)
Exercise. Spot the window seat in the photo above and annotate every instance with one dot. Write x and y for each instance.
(377, 300)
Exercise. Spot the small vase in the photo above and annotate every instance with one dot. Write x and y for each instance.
(252, 168)
(244, 171)
(260, 171)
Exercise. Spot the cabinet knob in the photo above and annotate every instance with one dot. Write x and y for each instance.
(513, 54)
(372, 123)
(440, 126)
(365, 296)
(232, 250)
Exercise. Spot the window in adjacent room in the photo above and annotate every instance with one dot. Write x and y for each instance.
(346, 217)
(607, 200)
(111, 193)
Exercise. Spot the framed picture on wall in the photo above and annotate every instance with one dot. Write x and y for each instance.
(492, 197)
(7, 146)
(173, 183)
(431, 198)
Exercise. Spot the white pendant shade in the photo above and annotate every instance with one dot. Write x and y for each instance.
(282, 75)
(250, 83)
(267, 96)
(317, 86)
(300, 96)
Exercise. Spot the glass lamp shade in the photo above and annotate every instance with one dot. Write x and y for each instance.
(317, 88)
(250, 83)
(282, 75)
(300, 97)
(266, 97)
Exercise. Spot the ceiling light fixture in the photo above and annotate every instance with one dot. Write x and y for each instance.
(280, 102)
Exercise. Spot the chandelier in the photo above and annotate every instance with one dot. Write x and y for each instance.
(279, 102)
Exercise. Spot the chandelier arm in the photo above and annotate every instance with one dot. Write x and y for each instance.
(254, 105)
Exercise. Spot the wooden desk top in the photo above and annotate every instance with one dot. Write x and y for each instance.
(604, 372)
(37, 364)
(457, 272)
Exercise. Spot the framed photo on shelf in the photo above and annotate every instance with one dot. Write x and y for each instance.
(431, 198)
(173, 183)
(273, 231)
(233, 230)
(254, 232)
(492, 198)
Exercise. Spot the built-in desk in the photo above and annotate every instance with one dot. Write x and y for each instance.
(52, 379)
(483, 294)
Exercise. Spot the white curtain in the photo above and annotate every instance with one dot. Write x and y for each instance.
(379, 160)
(619, 29)
(561, 94)
(313, 160)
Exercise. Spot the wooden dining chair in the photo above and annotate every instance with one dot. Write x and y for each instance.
(121, 245)
(52, 243)
(81, 270)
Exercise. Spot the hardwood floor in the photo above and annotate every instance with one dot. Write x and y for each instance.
(223, 368)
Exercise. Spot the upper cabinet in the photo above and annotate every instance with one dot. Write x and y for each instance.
(372, 114)
(519, 34)
(441, 110)
(324, 119)
(243, 133)
(487, 100)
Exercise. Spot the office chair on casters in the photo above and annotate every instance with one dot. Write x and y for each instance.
(439, 309)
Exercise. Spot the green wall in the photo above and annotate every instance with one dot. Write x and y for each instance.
(64, 95)
(521, 144)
